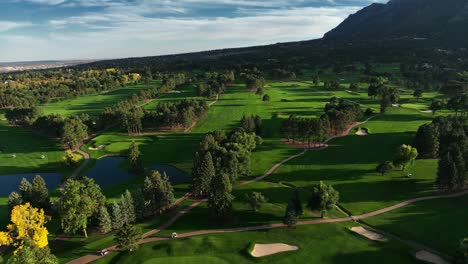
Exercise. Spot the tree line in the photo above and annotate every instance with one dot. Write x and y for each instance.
(172, 114)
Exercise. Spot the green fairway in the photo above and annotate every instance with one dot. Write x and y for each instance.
(28, 150)
(440, 224)
(95, 103)
(329, 243)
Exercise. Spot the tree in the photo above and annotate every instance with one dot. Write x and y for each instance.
(71, 160)
(105, 222)
(127, 207)
(260, 91)
(290, 217)
(27, 223)
(384, 167)
(354, 87)
(266, 98)
(14, 199)
(117, 217)
(427, 141)
(297, 203)
(158, 191)
(220, 197)
(74, 132)
(40, 193)
(324, 198)
(30, 253)
(202, 175)
(447, 173)
(80, 200)
(255, 200)
(436, 105)
(127, 237)
(405, 156)
(134, 157)
(418, 93)
(25, 189)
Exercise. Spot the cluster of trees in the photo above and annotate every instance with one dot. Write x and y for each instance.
(283, 74)
(332, 85)
(388, 96)
(211, 84)
(310, 130)
(254, 82)
(30, 88)
(252, 124)
(221, 158)
(445, 139)
(405, 156)
(323, 198)
(172, 114)
(341, 114)
(35, 193)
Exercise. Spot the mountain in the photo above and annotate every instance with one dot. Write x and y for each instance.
(439, 20)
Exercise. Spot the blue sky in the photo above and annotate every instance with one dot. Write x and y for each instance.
(96, 29)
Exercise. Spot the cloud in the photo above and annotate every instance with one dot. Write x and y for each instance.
(8, 25)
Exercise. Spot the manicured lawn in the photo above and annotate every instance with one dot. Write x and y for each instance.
(94, 104)
(440, 224)
(28, 149)
(329, 243)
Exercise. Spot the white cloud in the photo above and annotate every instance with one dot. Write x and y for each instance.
(7, 25)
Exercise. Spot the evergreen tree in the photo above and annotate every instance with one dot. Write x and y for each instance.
(105, 222)
(74, 132)
(127, 237)
(220, 197)
(140, 203)
(127, 207)
(14, 199)
(40, 193)
(297, 203)
(134, 157)
(117, 217)
(158, 191)
(25, 189)
(290, 217)
(203, 175)
(427, 141)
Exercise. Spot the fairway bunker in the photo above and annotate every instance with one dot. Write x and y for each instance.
(429, 257)
(262, 250)
(368, 234)
(98, 148)
(362, 132)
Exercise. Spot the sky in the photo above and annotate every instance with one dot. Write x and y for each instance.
(102, 29)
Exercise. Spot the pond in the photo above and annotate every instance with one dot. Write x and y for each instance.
(10, 183)
(107, 172)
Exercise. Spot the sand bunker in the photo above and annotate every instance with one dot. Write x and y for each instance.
(362, 132)
(429, 257)
(98, 148)
(368, 234)
(261, 250)
(427, 111)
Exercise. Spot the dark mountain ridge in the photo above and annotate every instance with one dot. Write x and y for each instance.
(445, 21)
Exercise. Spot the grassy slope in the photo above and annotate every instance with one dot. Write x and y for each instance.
(439, 223)
(93, 104)
(330, 243)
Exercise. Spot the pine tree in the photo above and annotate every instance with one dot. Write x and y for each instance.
(296, 201)
(25, 189)
(158, 191)
(14, 199)
(447, 174)
(105, 222)
(207, 172)
(140, 204)
(127, 237)
(40, 193)
(117, 217)
(134, 157)
(220, 197)
(127, 207)
(427, 141)
(290, 216)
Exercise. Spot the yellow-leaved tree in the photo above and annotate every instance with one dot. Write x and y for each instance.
(27, 223)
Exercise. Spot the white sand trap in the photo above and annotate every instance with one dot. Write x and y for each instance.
(368, 234)
(396, 105)
(362, 132)
(98, 148)
(427, 111)
(261, 250)
(429, 257)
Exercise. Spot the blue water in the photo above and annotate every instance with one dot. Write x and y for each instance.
(10, 183)
(107, 172)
